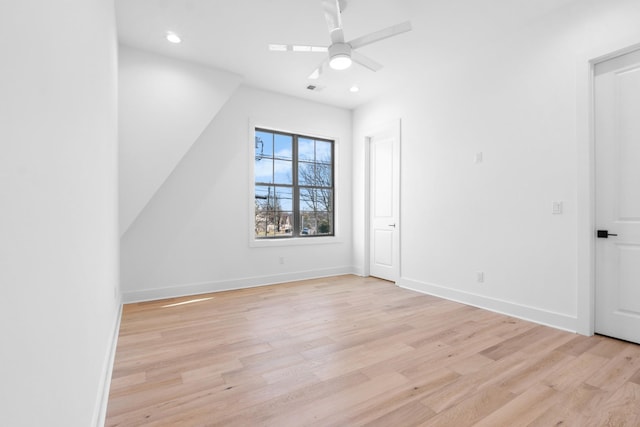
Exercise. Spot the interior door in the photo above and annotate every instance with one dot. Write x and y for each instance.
(617, 166)
(384, 204)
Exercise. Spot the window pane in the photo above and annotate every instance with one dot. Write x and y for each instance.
(263, 194)
(261, 210)
(306, 149)
(284, 197)
(283, 172)
(284, 224)
(323, 152)
(273, 211)
(263, 170)
(306, 173)
(283, 147)
(308, 199)
(307, 223)
(316, 175)
(264, 144)
(316, 200)
(316, 223)
(323, 175)
(324, 222)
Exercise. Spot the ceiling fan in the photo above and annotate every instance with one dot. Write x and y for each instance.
(342, 54)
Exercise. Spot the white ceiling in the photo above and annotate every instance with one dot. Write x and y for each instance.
(233, 35)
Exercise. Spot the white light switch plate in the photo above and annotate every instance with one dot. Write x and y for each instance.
(556, 208)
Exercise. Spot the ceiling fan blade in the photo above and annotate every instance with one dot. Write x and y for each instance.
(318, 71)
(381, 35)
(334, 21)
(365, 61)
(297, 48)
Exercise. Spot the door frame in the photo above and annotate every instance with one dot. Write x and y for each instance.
(586, 197)
(393, 127)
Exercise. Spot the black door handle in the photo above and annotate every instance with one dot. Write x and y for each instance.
(603, 234)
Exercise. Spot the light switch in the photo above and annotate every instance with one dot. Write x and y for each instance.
(477, 158)
(556, 208)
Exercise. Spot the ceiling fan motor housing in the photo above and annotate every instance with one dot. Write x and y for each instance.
(340, 56)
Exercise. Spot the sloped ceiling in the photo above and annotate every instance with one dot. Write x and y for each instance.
(164, 106)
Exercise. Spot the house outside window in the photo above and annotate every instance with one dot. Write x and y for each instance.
(294, 185)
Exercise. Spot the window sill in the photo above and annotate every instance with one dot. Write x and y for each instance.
(293, 241)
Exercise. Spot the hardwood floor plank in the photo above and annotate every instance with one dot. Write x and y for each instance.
(472, 409)
(377, 408)
(621, 409)
(573, 408)
(408, 415)
(521, 410)
(352, 351)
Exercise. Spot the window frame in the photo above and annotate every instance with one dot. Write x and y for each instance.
(294, 238)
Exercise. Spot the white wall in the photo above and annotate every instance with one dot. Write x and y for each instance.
(521, 101)
(58, 210)
(193, 236)
(164, 105)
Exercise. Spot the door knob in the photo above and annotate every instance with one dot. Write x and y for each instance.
(392, 225)
(604, 234)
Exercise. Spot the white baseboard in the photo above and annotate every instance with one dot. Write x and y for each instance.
(229, 285)
(100, 412)
(533, 314)
(358, 271)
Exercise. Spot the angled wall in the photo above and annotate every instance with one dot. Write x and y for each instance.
(194, 234)
(164, 105)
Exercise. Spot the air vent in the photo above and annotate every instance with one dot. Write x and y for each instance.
(311, 87)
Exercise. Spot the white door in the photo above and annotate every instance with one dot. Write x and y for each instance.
(384, 204)
(617, 140)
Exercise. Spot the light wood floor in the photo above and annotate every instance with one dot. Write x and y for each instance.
(348, 351)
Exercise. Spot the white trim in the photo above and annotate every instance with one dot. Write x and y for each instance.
(100, 411)
(532, 314)
(182, 290)
(293, 241)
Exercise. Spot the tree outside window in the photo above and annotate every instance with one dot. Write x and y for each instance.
(294, 185)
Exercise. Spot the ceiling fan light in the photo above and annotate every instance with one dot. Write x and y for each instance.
(339, 56)
(340, 62)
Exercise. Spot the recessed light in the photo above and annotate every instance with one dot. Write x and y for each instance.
(354, 89)
(173, 37)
